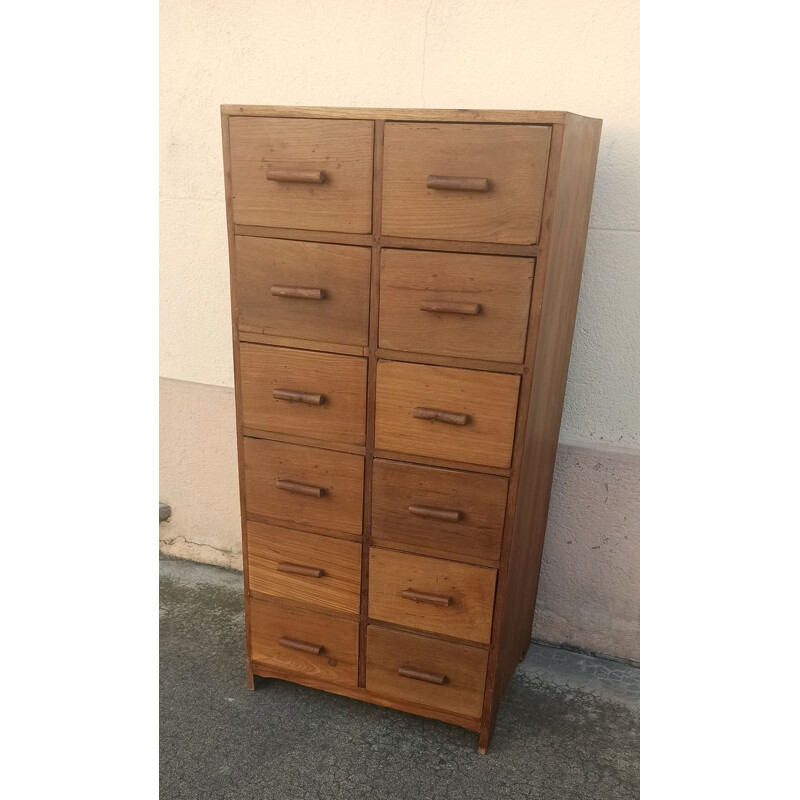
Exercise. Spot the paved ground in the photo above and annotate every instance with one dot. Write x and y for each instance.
(568, 728)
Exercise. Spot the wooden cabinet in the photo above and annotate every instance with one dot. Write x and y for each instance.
(404, 287)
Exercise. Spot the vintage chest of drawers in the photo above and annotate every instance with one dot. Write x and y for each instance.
(404, 287)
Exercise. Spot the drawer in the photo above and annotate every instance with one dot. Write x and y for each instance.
(303, 290)
(313, 174)
(452, 304)
(316, 645)
(304, 566)
(300, 392)
(431, 594)
(434, 673)
(296, 485)
(437, 511)
(456, 414)
(476, 183)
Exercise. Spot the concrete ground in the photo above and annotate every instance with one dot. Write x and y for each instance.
(568, 727)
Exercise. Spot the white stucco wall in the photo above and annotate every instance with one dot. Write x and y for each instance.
(579, 56)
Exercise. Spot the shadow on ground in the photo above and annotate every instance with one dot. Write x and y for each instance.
(568, 728)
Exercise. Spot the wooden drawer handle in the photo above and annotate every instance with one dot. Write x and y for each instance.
(299, 569)
(422, 675)
(424, 597)
(431, 512)
(299, 488)
(435, 415)
(297, 291)
(446, 307)
(296, 175)
(459, 184)
(298, 397)
(296, 644)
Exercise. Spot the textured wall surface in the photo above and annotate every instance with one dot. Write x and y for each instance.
(580, 56)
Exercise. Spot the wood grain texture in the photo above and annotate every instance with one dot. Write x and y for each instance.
(339, 274)
(488, 399)
(445, 361)
(332, 237)
(226, 160)
(492, 292)
(453, 246)
(513, 158)
(339, 585)
(341, 379)
(480, 501)
(342, 149)
(340, 474)
(556, 291)
(471, 589)
(337, 663)
(516, 116)
(361, 694)
(256, 337)
(463, 667)
(456, 369)
(340, 447)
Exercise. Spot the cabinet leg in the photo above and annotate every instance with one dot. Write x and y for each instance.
(524, 653)
(483, 740)
(251, 679)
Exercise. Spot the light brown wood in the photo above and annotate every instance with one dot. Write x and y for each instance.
(446, 361)
(332, 237)
(517, 116)
(341, 379)
(293, 396)
(303, 290)
(557, 297)
(489, 400)
(400, 665)
(358, 693)
(479, 500)
(453, 246)
(299, 488)
(342, 149)
(507, 542)
(296, 175)
(422, 675)
(458, 184)
(340, 447)
(341, 475)
(296, 644)
(512, 157)
(285, 563)
(469, 306)
(300, 344)
(468, 615)
(337, 661)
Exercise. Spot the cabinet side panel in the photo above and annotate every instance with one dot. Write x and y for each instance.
(558, 275)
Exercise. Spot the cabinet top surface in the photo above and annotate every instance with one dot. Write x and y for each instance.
(406, 114)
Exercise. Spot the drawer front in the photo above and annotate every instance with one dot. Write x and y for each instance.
(300, 392)
(302, 173)
(304, 566)
(431, 594)
(303, 290)
(296, 485)
(437, 511)
(476, 183)
(434, 673)
(452, 304)
(442, 412)
(315, 645)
